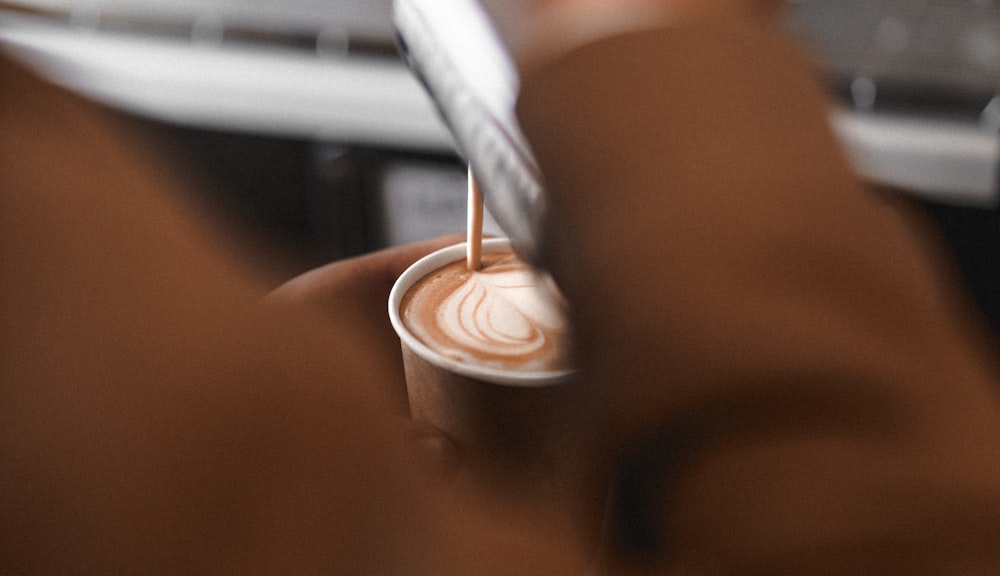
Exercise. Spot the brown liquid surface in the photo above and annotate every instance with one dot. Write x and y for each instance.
(497, 316)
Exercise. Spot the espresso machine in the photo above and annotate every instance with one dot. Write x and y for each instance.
(314, 133)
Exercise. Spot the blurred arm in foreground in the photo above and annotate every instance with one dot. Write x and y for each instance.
(796, 381)
(158, 417)
(782, 347)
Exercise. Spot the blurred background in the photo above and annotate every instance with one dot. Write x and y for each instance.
(299, 123)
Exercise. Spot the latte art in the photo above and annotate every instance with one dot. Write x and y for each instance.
(500, 310)
(498, 316)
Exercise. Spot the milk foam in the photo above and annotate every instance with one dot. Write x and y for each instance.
(498, 316)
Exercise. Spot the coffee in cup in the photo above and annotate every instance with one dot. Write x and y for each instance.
(487, 361)
(498, 317)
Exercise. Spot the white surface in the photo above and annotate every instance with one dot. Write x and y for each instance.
(378, 102)
(268, 91)
(944, 161)
(368, 17)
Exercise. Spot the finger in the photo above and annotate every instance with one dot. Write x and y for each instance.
(365, 278)
(355, 292)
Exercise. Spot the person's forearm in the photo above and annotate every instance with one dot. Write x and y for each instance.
(738, 292)
(155, 418)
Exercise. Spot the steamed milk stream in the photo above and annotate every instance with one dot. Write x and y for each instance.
(498, 316)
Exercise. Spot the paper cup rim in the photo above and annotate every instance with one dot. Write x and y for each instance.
(422, 268)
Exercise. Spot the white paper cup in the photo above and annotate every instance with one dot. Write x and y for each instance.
(509, 423)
